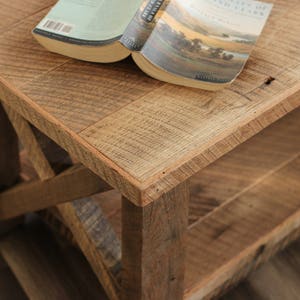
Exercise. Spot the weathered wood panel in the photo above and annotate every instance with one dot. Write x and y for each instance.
(235, 238)
(169, 132)
(74, 183)
(153, 247)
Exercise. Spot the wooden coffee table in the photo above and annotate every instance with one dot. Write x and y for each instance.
(87, 128)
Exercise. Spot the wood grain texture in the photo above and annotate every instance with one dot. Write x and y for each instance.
(90, 91)
(153, 247)
(232, 186)
(75, 183)
(254, 184)
(27, 171)
(42, 269)
(162, 134)
(67, 139)
(111, 205)
(245, 166)
(97, 240)
(275, 280)
(21, 59)
(233, 174)
(226, 244)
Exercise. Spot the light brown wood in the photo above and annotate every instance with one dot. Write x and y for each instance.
(22, 60)
(163, 155)
(153, 247)
(162, 134)
(27, 173)
(145, 138)
(231, 175)
(248, 229)
(21, 10)
(249, 172)
(279, 142)
(245, 166)
(234, 239)
(75, 183)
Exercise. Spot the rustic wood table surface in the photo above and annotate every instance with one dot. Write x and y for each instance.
(87, 128)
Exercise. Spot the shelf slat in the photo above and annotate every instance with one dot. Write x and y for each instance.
(224, 246)
(245, 166)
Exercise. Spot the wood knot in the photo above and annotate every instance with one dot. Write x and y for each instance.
(269, 80)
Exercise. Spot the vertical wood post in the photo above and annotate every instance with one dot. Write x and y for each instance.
(153, 247)
(9, 161)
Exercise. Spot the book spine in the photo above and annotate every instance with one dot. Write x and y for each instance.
(142, 24)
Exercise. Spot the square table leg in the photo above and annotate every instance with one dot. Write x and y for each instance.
(153, 247)
(9, 161)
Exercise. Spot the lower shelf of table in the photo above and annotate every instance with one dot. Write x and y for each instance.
(244, 208)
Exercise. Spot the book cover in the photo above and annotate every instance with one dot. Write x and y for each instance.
(205, 40)
(196, 43)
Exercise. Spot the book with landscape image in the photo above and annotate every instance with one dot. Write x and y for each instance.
(196, 43)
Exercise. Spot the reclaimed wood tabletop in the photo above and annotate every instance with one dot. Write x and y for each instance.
(144, 136)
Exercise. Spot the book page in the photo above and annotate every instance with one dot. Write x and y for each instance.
(88, 21)
(207, 40)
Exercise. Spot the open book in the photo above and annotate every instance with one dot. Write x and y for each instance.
(196, 43)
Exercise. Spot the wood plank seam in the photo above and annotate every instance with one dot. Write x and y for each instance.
(248, 188)
(244, 234)
(152, 190)
(109, 172)
(261, 251)
(112, 174)
(11, 26)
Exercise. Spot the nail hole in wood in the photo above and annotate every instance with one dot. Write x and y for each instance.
(269, 80)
